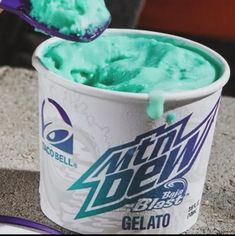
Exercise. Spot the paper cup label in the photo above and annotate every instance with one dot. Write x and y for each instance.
(106, 168)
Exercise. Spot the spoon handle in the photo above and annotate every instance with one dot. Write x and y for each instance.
(11, 5)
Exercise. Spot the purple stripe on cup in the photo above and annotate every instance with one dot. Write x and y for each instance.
(28, 224)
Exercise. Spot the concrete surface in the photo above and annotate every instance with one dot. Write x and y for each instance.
(19, 175)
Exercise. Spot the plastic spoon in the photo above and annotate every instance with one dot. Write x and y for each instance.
(22, 9)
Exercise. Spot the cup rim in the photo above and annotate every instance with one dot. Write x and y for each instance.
(137, 97)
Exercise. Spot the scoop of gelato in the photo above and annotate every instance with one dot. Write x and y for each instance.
(73, 17)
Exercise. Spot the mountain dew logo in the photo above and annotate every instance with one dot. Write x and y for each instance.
(143, 168)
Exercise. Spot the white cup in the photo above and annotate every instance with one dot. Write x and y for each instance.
(107, 168)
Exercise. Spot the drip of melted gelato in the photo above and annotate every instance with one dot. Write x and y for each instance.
(132, 64)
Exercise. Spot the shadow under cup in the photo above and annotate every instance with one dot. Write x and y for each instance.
(107, 168)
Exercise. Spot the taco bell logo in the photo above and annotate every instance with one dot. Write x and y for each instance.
(56, 126)
(149, 169)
